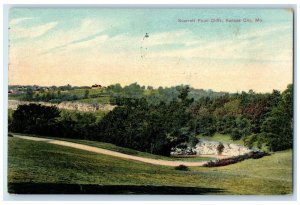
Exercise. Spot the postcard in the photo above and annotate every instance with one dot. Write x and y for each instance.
(160, 101)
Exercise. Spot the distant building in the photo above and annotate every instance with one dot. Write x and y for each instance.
(96, 86)
(11, 92)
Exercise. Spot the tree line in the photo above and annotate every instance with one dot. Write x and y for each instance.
(116, 92)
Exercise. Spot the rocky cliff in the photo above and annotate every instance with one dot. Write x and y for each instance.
(204, 147)
(83, 107)
(214, 148)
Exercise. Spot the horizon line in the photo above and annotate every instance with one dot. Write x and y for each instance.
(156, 87)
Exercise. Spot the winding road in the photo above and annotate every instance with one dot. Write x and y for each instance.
(112, 153)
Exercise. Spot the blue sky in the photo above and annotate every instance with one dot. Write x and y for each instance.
(86, 46)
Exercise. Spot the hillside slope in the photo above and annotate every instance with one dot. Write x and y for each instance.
(37, 167)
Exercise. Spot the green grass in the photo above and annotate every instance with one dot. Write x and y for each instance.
(78, 92)
(81, 91)
(38, 164)
(100, 100)
(129, 151)
(10, 113)
(221, 138)
(16, 96)
(124, 150)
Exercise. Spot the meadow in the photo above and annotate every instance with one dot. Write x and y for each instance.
(37, 167)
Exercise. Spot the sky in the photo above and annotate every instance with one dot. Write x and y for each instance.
(204, 48)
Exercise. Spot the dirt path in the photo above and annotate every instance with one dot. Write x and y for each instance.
(112, 153)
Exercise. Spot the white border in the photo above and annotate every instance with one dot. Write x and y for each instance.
(207, 199)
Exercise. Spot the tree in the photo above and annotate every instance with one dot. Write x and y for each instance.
(241, 128)
(133, 90)
(145, 127)
(86, 94)
(203, 121)
(29, 93)
(279, 125)
(220, 148)
(183, 94)
(76, 125)
(35, 119)
(258, 108)
(226, 116)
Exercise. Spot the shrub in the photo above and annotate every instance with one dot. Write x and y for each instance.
(220, 148)
(250, 140)
(182, 168)
(235, 159)
(266, 140)
(235, 134)
(34, 119)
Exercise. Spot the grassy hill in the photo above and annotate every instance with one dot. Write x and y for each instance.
(129, 151)
(37, 167)
(221, 138)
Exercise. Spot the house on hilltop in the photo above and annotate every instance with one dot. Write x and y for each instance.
(96, 86)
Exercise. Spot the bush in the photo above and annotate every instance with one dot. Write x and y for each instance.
(235, 159)
(272, 141)
(277, 143)
(235, 134)
(250, 140)
(220, 148)
(182, 168)
(10, 135)
(34, 119)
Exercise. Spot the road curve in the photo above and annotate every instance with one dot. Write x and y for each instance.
(112, 153)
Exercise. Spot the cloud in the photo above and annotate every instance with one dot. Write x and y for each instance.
(31, 32)
(256, 46)
(91, 43)
(88, 30)
(14, 22)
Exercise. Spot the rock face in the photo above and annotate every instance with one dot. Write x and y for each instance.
(211, 148)
(204, 147)
(83, 107)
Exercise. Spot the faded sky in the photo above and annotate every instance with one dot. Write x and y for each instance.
(106, 46)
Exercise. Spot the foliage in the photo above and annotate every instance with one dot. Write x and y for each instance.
(182, 168)
(279, 124)
(9, 118)
(76, 125)
(35, 119)
(149, 128)
(220, 148)
(29, 94)
(155, 120)
(235, 159)
(241, 128)
(203, 122)
(86, 94)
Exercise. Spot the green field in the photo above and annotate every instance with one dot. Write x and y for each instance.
(99, 100)
(221, 138)
(38, 167)
(81, 91)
